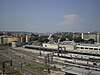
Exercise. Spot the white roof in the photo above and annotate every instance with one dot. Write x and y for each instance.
(80, 71)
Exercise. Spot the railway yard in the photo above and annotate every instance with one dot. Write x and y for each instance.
(32, 61)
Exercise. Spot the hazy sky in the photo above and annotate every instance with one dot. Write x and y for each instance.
(49, 15)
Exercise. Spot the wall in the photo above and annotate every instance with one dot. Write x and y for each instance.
(52, 46)
(55, 46)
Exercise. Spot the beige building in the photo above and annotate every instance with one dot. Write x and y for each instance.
(10, 39)
(15, 43)
(52, 46)
(27, 38)
(60, 46)
(87, 36)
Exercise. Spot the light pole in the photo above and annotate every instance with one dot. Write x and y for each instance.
(21, 65)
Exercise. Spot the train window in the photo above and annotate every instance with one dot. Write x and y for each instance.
(94, 63)
(91, 48)
(95, 48)
(45, 45)
(86, 48)
(82, 47)
(78, 47)
(87, 68)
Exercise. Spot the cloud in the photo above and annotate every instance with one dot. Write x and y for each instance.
(69, 19)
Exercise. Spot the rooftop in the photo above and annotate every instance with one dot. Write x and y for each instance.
(80, 71)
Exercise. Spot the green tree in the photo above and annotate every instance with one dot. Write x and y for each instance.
(82, 40)
(55, 38)
(45, 40)
(78, 39)
(35, 38)
(63, 39)
(70, 37)
(91, 41)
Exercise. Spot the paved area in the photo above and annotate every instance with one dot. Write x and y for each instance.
(56, 73)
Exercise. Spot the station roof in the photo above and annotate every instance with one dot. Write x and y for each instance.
(80, 71)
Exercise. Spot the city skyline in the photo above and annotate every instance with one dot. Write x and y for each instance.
(50, 15)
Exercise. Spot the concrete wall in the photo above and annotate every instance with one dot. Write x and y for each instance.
(52, 46)
(98, 38)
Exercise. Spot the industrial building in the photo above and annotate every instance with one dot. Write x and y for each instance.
(67, 45)
(87, 36)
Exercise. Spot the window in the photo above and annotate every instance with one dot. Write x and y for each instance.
(94, 63)
(82, 47)
(77, 47)
(86, 48)
(45, 45)
(91, 48)
(95, 48)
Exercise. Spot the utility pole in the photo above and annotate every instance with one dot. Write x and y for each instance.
(47, 63)
(51, 61)
(21, 65)
(40, 53)
(3, 66)
(58, 47)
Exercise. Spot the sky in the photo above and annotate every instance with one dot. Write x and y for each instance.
(50, 15)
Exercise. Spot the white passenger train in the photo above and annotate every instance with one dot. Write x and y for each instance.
(85, 60)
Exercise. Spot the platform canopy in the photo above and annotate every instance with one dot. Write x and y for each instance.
(79, 71)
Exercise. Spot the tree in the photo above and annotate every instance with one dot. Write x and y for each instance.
(78, 39)
(69, 36)
(82, 40)
(45, 40)
(91, 41)
(55, 38)
(63, 39)
(35, 38)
